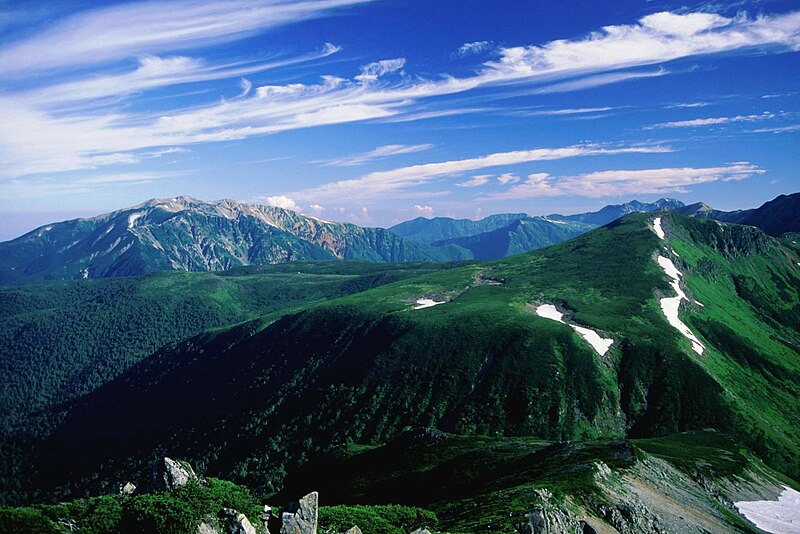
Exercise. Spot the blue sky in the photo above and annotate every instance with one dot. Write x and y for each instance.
(379, 111)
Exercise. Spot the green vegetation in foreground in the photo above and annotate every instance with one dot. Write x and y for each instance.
(181, 510)
(474, 483)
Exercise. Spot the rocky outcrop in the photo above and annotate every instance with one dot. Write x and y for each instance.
(548, 517)
(301, 517)
(169, 474)
(237, 522)
(228, 521)
(128, 488)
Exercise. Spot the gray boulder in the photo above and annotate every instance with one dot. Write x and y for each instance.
(301, 517)
(237, 523)
(128, 488)
(169, 474)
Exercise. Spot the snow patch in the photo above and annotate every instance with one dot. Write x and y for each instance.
(598, 343)
(548, 311)
(781, 516)
(133, 217)
(426, 303)
(671, 305)
(657, 228)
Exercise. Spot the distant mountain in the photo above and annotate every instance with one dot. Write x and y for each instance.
(776, 217)
(522, 235)
(506, 234)
(422, 230)
(614, 212)
(190, 235)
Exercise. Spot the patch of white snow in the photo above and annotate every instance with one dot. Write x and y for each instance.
(133, 217)
(657, 228)
(426, 303)
(781, 516)
(548, 311)
(671, 305)
(598, 343)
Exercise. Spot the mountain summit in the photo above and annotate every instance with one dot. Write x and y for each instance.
(186, 234)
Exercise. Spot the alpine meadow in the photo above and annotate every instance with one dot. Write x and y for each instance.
(399, 267)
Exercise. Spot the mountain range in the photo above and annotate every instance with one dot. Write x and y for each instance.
(469, 349)
(640, 376)
(190, 235)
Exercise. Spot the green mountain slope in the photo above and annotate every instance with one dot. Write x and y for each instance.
(523, 235)
(682, 483)
(691, 482)
(189, 235)
(429, 231)
(61, 340)
(252, 401)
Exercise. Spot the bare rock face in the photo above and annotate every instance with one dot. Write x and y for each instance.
(237, 522)
(170, 474)
(301, 516)
(354, 530)
(228, 521)
(548, 518)
(207, 528)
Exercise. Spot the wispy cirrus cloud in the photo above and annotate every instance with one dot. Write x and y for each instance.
(140, 29)
(87, 138)
(475, 181)
(625, 182)
(712, 121)
(565, 111)
(475, 47)
(377, 184)
(381, 152)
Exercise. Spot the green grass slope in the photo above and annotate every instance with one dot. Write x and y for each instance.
(252, 402)
(61, 340)
(681, 483)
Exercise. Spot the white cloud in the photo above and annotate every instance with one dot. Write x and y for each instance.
(712, 121)
(508, 178)
(778, 129)
(36, 139)
(476, 47)
(475, 181)
(137, 29)
(566, 111)
(689, 105)
(625, 182)
(283, 202)
(372, 71)
(381, 152)
(423, 211)
(316, 207)
(598, 80)
(380, 183)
